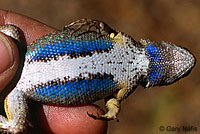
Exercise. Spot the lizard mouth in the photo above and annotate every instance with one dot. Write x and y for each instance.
(168, 63)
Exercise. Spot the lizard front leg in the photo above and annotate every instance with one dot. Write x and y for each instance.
(99, 26)
(113, 102)
(16, 111)
(113, 106)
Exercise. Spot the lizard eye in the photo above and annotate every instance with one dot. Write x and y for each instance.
(167, 63)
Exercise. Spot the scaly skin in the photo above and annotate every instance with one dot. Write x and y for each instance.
(86, 62)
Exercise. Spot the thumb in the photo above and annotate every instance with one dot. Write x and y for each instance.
(9, 60)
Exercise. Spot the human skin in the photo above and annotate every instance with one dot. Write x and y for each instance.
(53, 119)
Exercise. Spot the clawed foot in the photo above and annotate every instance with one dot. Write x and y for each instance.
(98, 26)
(102, 117)
(88, 23)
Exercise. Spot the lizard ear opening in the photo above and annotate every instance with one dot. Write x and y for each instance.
(145, 83)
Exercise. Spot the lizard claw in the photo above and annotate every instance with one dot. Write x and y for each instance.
(102, 117)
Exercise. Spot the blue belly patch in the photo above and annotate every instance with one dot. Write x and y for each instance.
(68, 47)
(70, 91)
(156, 68)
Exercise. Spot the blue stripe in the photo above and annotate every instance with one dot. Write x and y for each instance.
(73, 90)
(68, 47)
(156, 69)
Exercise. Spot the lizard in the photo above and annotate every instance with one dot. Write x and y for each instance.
(85, 62)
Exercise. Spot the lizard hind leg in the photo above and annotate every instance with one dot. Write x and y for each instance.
(16, 111)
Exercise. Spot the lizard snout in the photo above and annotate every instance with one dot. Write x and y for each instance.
(168, 63)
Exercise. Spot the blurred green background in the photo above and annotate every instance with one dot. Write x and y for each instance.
(177, 21)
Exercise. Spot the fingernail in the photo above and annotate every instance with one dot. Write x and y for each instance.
(6, 55)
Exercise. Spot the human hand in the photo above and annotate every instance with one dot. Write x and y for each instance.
(55, 119)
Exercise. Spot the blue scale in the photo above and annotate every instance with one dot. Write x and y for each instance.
(69, 47)
(70, 89)
(156, 69)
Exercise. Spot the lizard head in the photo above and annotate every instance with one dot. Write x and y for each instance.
(167, 63)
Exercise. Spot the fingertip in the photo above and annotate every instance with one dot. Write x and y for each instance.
(74, 119)
(31, 28)
(6, 53)
(9, 60)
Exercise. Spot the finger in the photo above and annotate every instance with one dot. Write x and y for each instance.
(9, 60)
(31, 28)
(74, 120)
